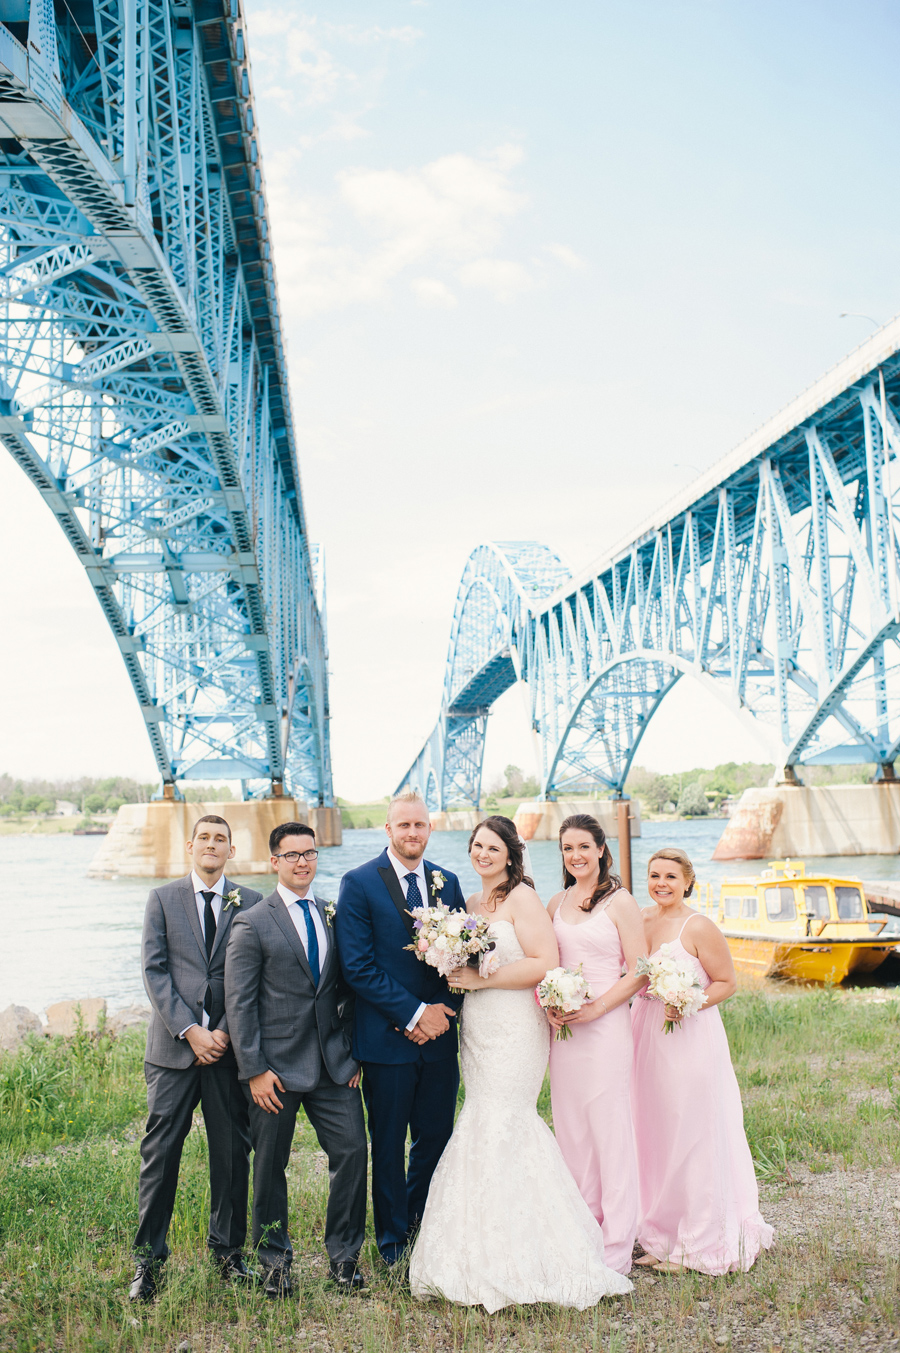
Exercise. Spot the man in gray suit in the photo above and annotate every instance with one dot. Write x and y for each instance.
(188, 1059)
(284, 995)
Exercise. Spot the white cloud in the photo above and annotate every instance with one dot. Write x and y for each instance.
(431, 291)
(500, 276)
(447, 215)
(567, 256)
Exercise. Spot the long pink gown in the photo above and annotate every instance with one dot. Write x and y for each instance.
(699, 1203)
(590, 1081)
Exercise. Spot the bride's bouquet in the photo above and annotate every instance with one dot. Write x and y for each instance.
(449, 940)
(671, 982)
(564, 989)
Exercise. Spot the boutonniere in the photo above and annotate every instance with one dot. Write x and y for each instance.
(330, 909)
(232, 899)
(437, 881)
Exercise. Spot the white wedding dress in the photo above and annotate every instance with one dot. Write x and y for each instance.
(504, 1223)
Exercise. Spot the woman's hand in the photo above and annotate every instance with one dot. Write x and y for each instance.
(589, 1011)
(465, 979)
(674, 1014)
(556, 1017)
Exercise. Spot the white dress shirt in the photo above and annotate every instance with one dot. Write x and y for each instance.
(295, 911)
(401, 869)
(200, 887)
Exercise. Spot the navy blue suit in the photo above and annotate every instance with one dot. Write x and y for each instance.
(406, 1087)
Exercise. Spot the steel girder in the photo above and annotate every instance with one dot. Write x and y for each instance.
(143, 386)
(774, 581)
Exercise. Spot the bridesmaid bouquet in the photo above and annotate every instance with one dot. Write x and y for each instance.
(671, 982)
(563, 989)
(449, 940)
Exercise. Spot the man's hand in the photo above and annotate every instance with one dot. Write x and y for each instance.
(435, 1020)
(223, 1039)
(353, 1082)
(415, 1035)
(262, 1088)
(207, 1047)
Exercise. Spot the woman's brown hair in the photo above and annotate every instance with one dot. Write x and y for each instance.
(677, 857)
(505, 828)
(607, 882)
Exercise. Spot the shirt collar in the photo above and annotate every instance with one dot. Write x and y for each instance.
(288, 896)
(200, 886)
(401, 869)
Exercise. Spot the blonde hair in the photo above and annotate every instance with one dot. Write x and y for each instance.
(407, 796)
(677, 857)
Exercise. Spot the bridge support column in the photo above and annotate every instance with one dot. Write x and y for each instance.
(539, 820)
(813, 820)
(147, 839)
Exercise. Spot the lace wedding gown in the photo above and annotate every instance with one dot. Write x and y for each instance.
(504, 1223)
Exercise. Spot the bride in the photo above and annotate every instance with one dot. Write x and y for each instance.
(504, 1222)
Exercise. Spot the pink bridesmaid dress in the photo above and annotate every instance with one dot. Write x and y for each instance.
(590, 1078)
(699, 1204)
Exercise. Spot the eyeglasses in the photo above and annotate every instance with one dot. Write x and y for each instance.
(292, 856)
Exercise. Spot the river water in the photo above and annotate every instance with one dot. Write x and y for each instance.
(67, 936)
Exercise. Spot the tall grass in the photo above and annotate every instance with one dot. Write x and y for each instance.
(60, 1090)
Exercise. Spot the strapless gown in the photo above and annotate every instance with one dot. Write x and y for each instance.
(504, 1223)
(699, 1202)
(590, 1084)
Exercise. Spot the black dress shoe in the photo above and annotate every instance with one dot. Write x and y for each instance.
(276, 1282)
(145, 1283)
(232, 1269)
(345, 1275)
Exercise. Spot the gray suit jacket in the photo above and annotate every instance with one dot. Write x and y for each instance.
(177, 971)
(278, 1020)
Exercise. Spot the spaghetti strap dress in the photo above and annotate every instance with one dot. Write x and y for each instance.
(699, 1202)
(590, 1089)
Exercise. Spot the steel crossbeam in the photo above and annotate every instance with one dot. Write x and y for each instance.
(773, 581)
(143, 386)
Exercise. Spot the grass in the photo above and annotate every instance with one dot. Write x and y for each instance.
(823, 1120)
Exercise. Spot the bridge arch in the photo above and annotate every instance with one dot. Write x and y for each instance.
(774, 580)
(143, 380)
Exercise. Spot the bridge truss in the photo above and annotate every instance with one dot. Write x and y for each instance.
(143, 385)
(774, 581)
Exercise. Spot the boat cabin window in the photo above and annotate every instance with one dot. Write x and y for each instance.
(751, 910)
(732, 906)
(816, 898)
(780, 904)
(849, 903)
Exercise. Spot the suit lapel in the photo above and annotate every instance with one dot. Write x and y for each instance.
(289, 930)
(392, 883)
(329, 939)
(190, 906)
(224, 920)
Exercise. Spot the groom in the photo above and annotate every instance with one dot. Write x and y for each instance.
(404, 1030)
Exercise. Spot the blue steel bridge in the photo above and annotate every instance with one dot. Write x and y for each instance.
(772, 581)
(143, 384)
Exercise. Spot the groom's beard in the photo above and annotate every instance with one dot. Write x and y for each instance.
(402, 851)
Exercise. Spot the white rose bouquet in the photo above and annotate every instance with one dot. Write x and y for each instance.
(672, 982)
(449, 940)
(564, 989)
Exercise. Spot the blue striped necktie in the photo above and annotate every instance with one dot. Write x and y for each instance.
(312, 940)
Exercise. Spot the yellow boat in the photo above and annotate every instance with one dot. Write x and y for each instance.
(809, 928)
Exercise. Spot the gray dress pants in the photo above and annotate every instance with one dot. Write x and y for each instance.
(335, 1112)
(172, 1096)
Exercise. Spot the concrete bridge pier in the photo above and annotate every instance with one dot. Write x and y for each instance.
(797, 820)
(147, 839)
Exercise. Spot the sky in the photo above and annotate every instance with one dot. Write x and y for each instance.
(540, 264)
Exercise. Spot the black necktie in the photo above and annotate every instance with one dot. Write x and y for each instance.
(209, 922)
(209, 927)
